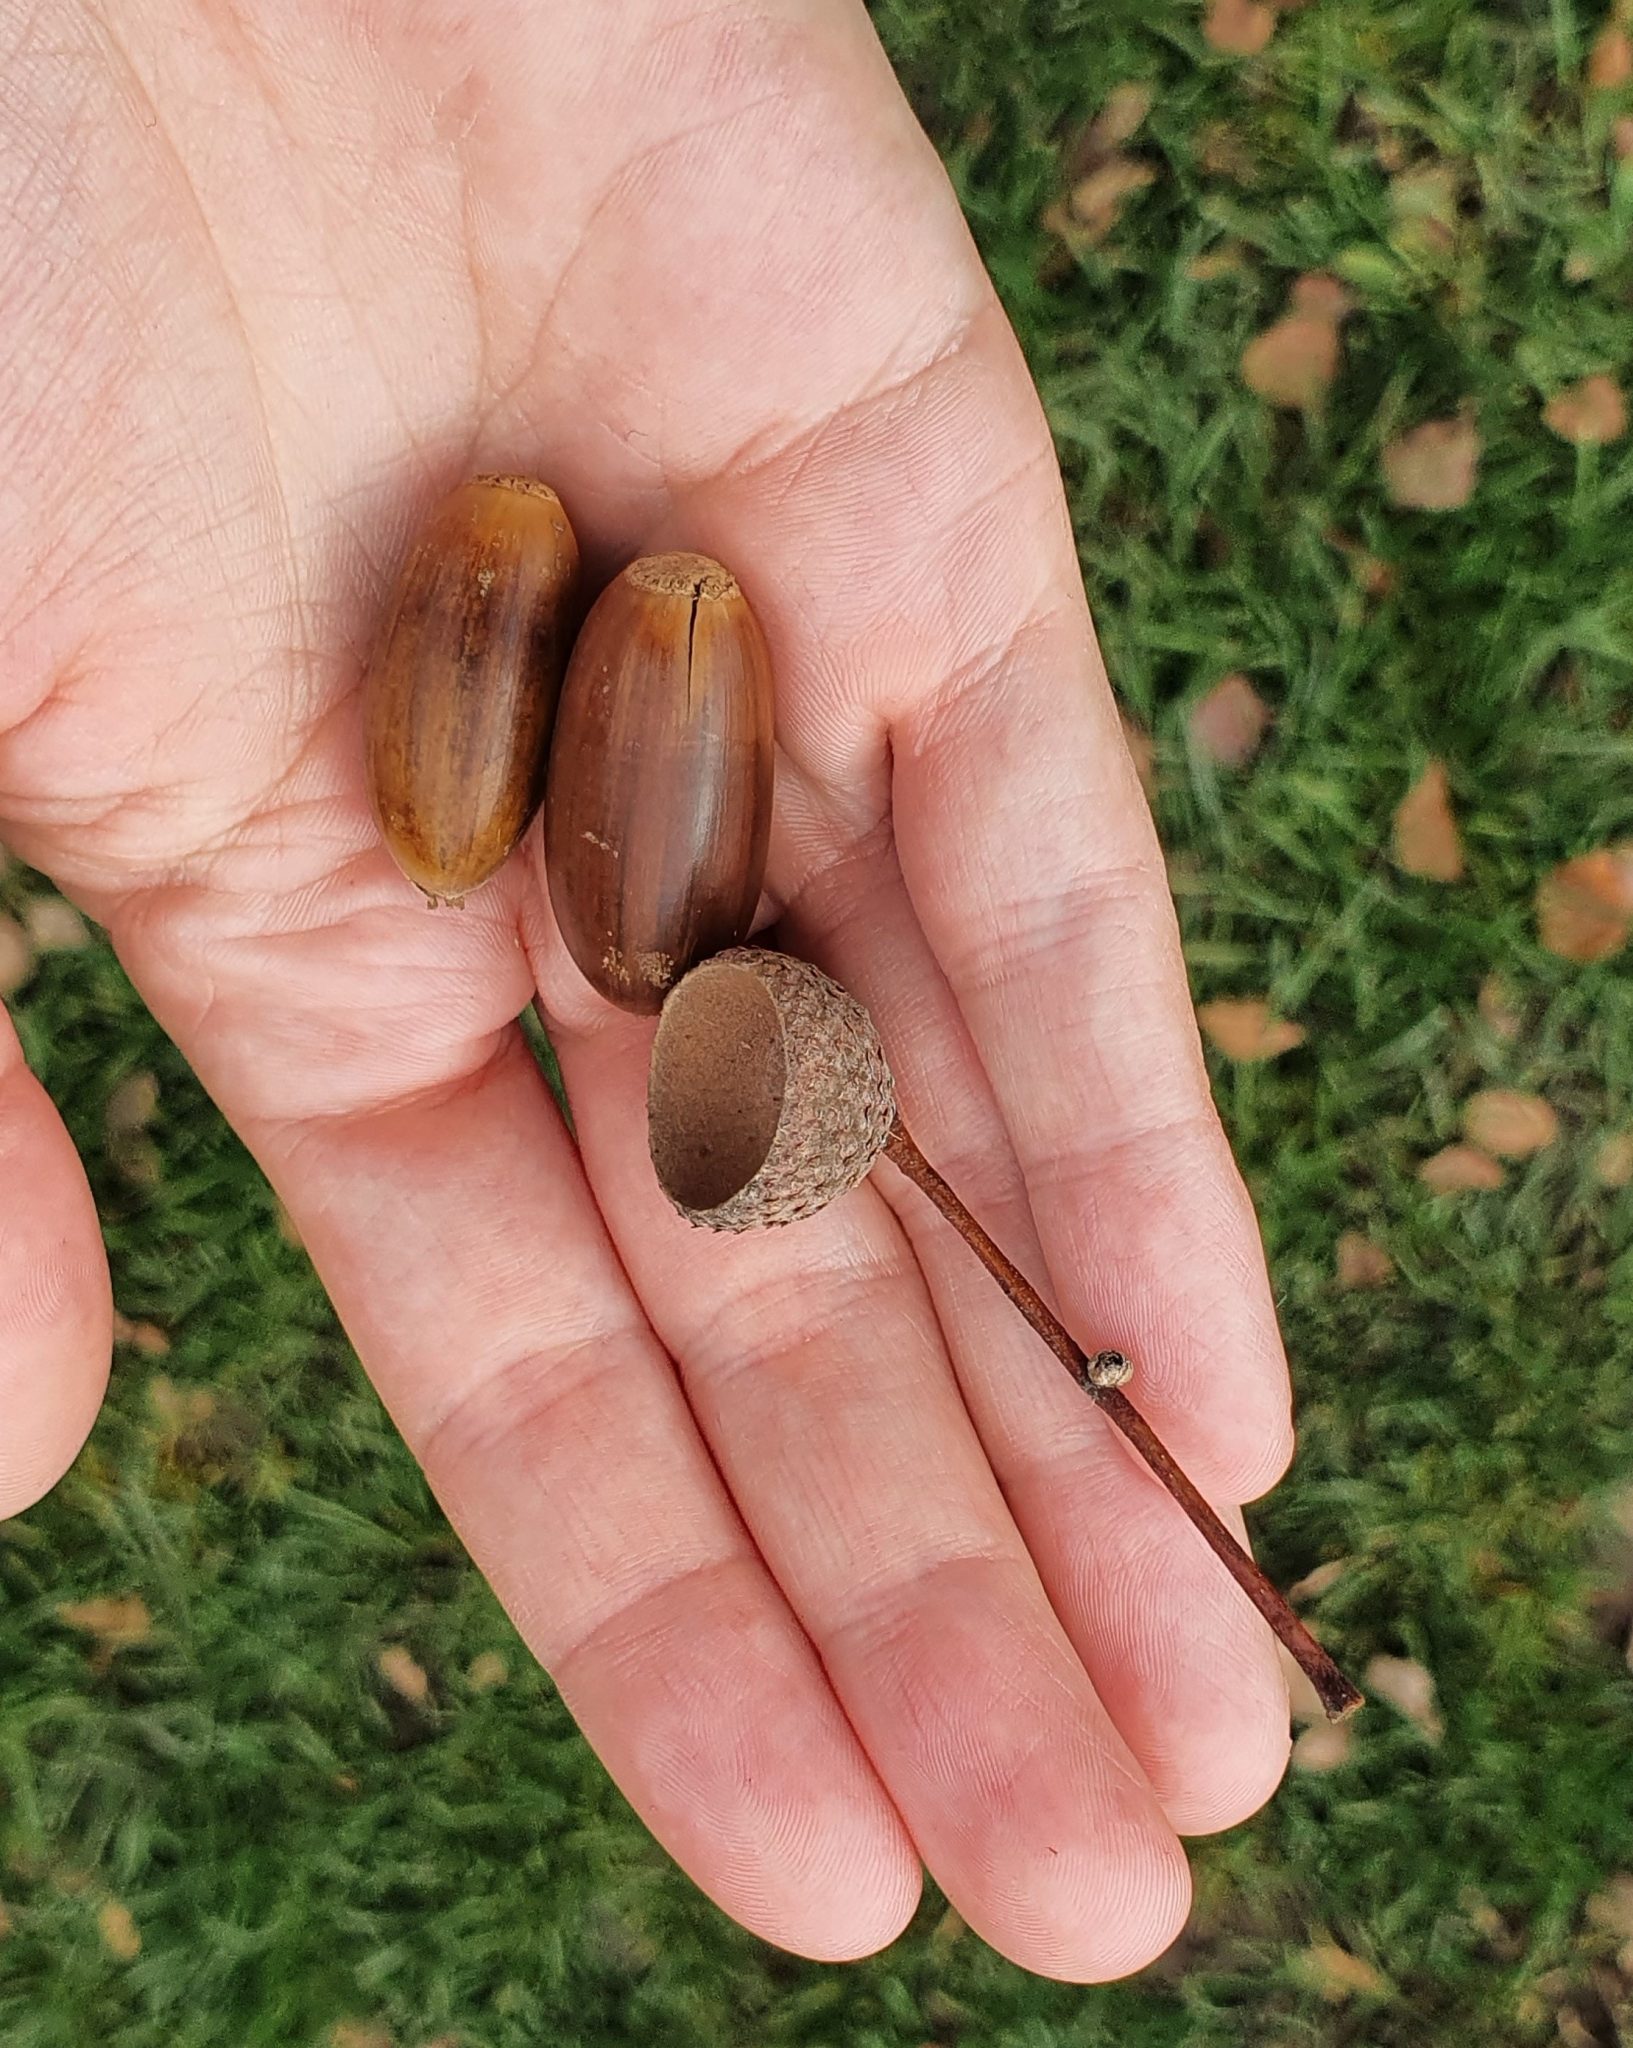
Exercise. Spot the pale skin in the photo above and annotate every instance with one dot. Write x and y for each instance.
(835, 1568)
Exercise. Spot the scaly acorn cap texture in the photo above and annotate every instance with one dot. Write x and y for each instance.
(769, 1094)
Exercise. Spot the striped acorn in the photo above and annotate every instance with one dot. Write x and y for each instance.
(464, 680)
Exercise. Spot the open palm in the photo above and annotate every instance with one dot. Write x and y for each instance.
(835, 1569)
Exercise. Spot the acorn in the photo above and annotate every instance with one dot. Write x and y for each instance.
(463, 683)
(657, 813)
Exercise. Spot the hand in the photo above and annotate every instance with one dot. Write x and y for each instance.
(835, 1568)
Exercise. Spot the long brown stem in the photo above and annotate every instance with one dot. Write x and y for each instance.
(1101, 1377)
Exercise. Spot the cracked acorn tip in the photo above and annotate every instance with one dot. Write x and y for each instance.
(769, 1094)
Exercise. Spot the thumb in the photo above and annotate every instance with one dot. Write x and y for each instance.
(56, 1307)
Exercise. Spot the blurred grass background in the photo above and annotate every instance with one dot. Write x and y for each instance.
(272, 1768)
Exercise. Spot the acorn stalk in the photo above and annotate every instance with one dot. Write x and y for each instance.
(769, 1096)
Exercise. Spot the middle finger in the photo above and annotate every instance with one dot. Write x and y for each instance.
(815, 1366)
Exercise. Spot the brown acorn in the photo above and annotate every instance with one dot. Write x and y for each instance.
(658, 808)
(464, 680)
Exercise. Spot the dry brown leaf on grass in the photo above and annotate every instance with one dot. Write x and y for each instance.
(1321, 1580)
(55, 926)
(1613, 1162)
(1610, 61)
(1585, 906)
(1243, 1028)
(1588, 414)
(1336, 1974)
(1409, 1689)
(488, 1669)
(1095, 201)
(132, 1106)
(1323, 1747)
(358, 2034)
(1434, 467)
(1427, 841)
(16, 956)
(1460, 1170)
(1361, 1263)
(1229, 723)
(146, 1338)
(403, 1674)
(1509, 1123)
(119, 1932)
(1320, 296)
(115, 1622)
(1238, 28)
(1497, 1009)
(1118, 121)
(1293, 362)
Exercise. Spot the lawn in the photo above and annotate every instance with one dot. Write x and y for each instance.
(273, 1769)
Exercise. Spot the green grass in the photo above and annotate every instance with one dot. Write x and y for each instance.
(301, 1847)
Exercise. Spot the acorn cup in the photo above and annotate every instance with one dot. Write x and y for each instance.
(769, 1096)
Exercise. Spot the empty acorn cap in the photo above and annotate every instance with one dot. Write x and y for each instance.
(769, 1094)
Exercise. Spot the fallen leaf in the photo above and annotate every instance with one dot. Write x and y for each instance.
(1509, 1123)
(1321, 1580)
(345, 1781)
(403, 1674)
(1460, 1169)
(356, 2034)
(1612, 1908)
(55, 926)
(179, 1407)
(1621, 137)
(116, 1622)
(1321, 297)
(1610, 61)
(1142, 751)
(132, 1106)
(1229, 723)
(488, 1669)
(1238, 28)
(146, 1338)
(5, 1917)
(1225, 259)
(1336, 1974)
(1096, 200)
(1588, 414)
(1613, 1162)
(16, 956)
(1427, 841)
(1585, 906)
(1409, 1689)
(1303, 1701)
(118, 1932)
(1243, 1028)
(1361, 1263)
(1433, 468)
(1323, 1747)
(1119, 119)
(1496, 1007)
(1293, 362)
